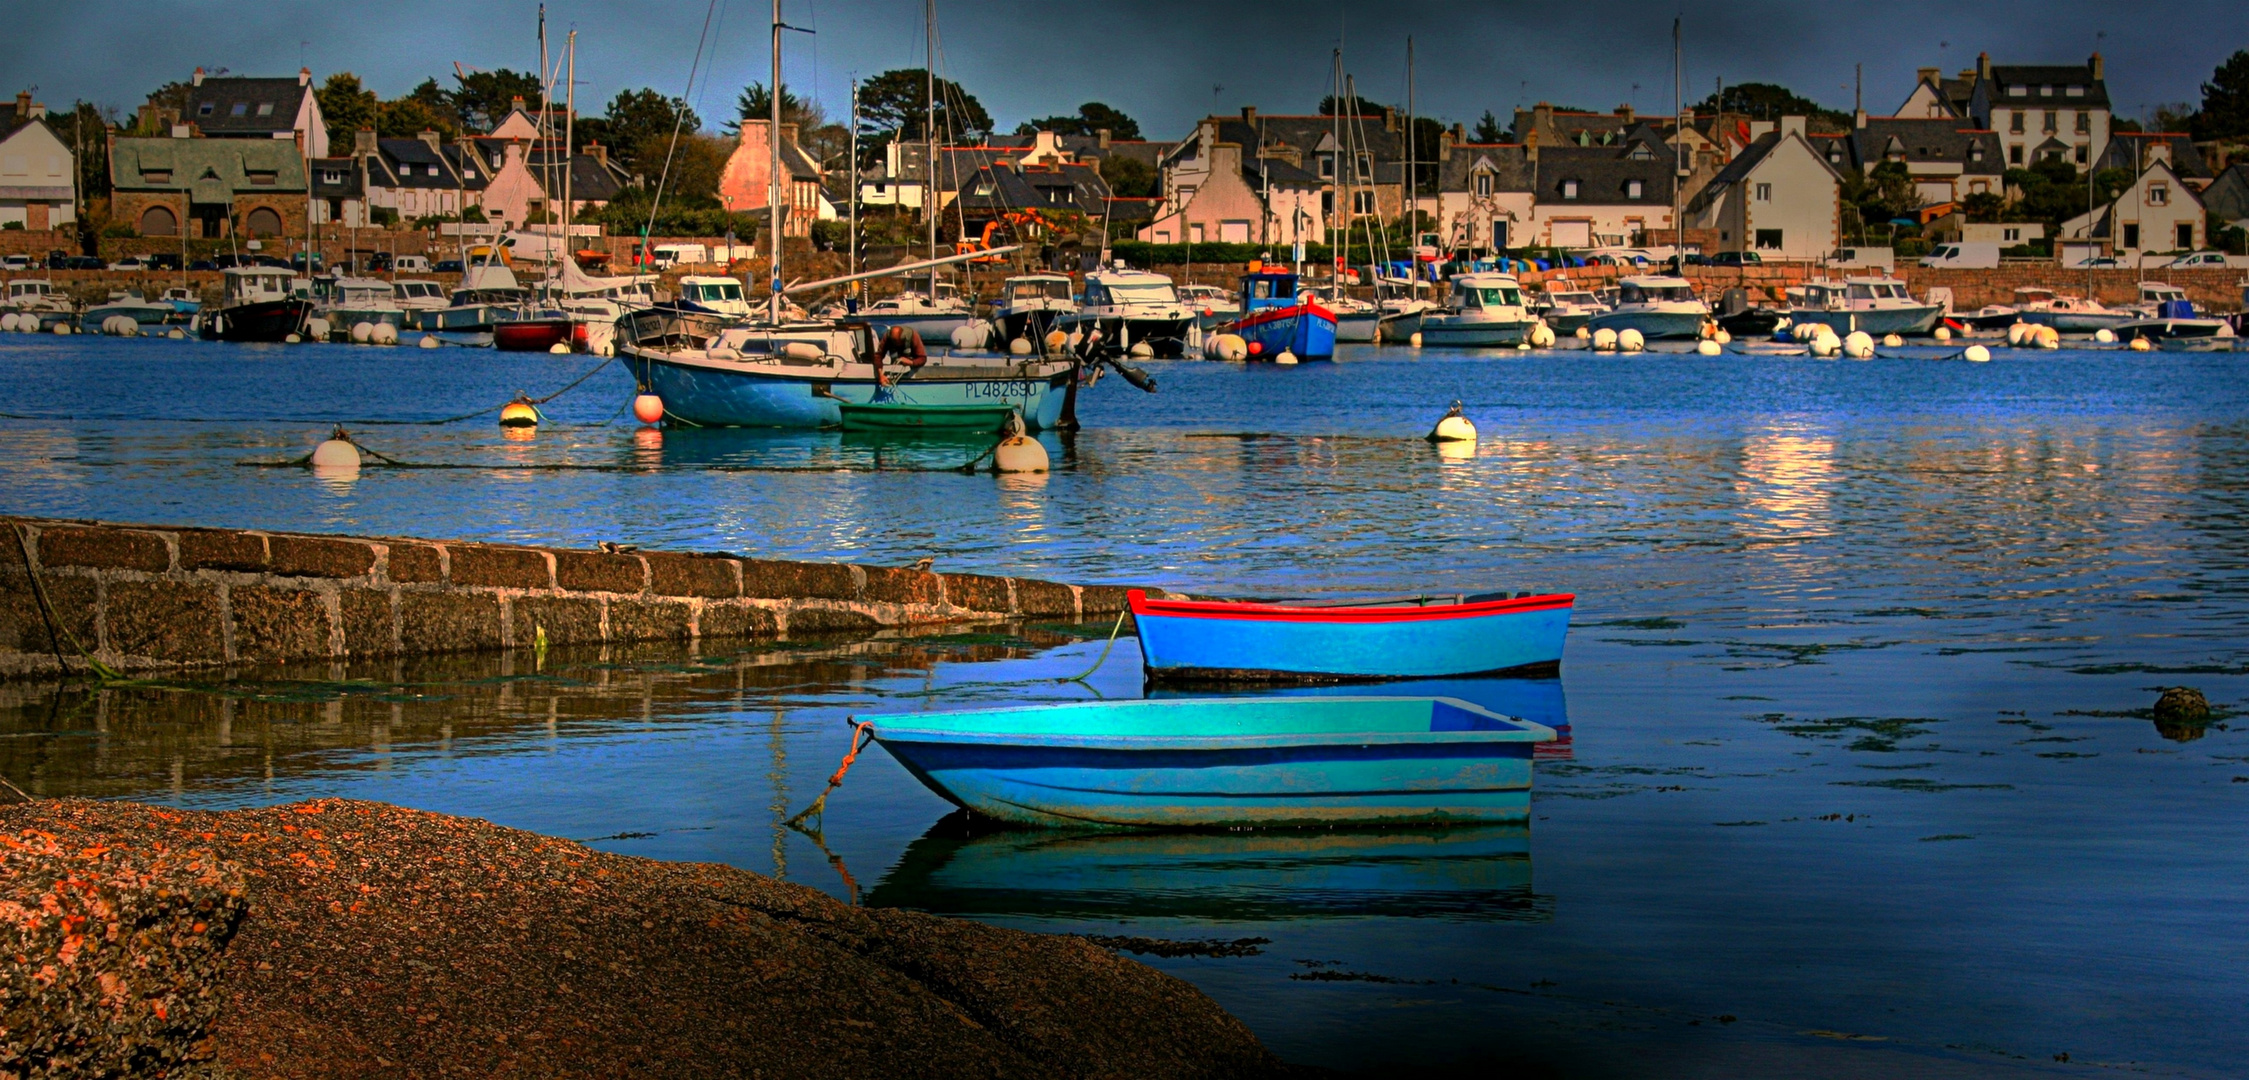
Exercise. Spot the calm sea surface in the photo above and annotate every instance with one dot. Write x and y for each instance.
(1861, 777)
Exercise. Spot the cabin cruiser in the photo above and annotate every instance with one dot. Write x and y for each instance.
(1133, 307)
(1212, 305)
(38, 298)
(715, 372)
(492, 308)
(2167, 315)
(417, 295)
(1030, 306)
(1277, 318)
(717, 295)
(1740, 318)
(1484, 309)
(1876, 306)
(932, 315)
(1567, 307)
(2068, 314)
(131, 304)
(1659, 306)
(594, 304)
(347, 302)
(260, 303)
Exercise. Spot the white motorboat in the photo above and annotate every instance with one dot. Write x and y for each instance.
(38, 298)
(1356, 320)
(1032, 305)
(934, 317)
(348, 302)
(2069, 314)
(1567, 307)
(131, 304)
(1876, 306)
(1212, 305)
(1483, 310)
(1133, 307)
(418, 295)
(1660, 306)
(717, 295)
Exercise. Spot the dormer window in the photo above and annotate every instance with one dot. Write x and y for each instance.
(1483, 183)
(2158, 195)
(1569, 189)
(1327, 166)
(240, 108)
(1975, 153)
(263, 179)
(2046, 91)
(1633, 189)
(203, 109)
(265, 108)
(2018, 90)
(2075, 91)
(156, 176)
(1366, 166)
(1640, 152)
(331, 178)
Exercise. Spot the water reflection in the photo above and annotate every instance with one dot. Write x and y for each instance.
(1481, 874)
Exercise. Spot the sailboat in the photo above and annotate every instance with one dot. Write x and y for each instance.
(784, 370)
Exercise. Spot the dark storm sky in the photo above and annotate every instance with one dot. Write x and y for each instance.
(1165, 63)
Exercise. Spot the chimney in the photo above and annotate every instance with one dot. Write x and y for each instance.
(1459, 134)
(1983, 65)
(1389, 118)
(23, 104)
(1249, 114)
(38, 111)
(1625, 111)
(1927, 75)
(304, 76)
(599, 153)
(1530, 143)
(1791, 125)
(2099, 66)
(198, 76)
(1101, 138)
(1858, 119)
(429, 138)
(363, 142)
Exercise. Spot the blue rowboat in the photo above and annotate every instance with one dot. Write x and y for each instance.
(1202, 763)
(1478, 873)
(1539, 701)
(1276, 319)
(1224, 641)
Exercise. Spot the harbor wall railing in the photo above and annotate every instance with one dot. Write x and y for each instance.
(157, 597)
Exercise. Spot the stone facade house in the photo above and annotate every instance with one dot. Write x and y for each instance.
(1780, 198)
(1485, 201)
(36, 170)
(419, 177)
(253, 188)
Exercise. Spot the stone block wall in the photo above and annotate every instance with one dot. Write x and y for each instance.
(161, 597)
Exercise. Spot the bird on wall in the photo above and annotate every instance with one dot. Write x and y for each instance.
(924, 563)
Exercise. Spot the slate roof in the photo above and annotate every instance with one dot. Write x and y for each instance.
(1925, 140)
(412, 163)
(2228, 195)
(1126, 209)
(1074, 187)
(2005, 77)
(345, 184)
(590, 180)
(220, 168)
(1511, 167)
(2125, 151)
(244, 107)
(1747, 161)
(1602, 173)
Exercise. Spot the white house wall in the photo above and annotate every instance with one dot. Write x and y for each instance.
(35, 168)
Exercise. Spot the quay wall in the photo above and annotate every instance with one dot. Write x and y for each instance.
(154, 598)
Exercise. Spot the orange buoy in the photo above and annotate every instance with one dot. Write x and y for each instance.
(1257, 348)
(519, 413)
(648, 408)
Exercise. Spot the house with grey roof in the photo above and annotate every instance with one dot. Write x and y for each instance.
(1781, 197)
(2133, 150)
(1947, 158)
(1599, 196)
(2043, 111)
(419, 177)
(2159, 212)
(2227, 197)
(252, 188)
(1485, 195)
(37, 170)
(338, 195)
(237, 107)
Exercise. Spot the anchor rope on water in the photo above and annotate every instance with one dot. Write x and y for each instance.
(56, 633)
(859, 729)
(1104, 657)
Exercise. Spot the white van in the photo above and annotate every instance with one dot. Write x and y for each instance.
(1964, 256)
(1861, 258)
(670, 255)
(410, 264)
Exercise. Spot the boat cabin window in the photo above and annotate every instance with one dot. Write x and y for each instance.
(1569, 297)
(1861, 292)
(1141, 292)
(1039, 290)
(1488, 296)
(727, 290)
(1270, 287)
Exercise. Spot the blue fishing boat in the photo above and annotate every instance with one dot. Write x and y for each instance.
(1276, 318)
(1414, 637)
(1201, 763)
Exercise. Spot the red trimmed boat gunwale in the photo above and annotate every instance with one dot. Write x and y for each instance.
(1138, 600)
(1276, 314)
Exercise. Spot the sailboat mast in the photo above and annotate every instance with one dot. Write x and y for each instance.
(1413, 157)
(569, 141)
(1335, 170)
(852, 260)
(1678, 151)
(773, 171)
(929, 135)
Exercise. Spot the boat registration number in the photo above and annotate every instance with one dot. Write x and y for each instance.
(1001, 390)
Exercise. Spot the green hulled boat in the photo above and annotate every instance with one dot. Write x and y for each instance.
(904, 416)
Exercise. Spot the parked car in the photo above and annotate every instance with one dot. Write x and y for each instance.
(203, 264)
(2205, 260)
(1737, 259)
(83, 262)
(411, 264)
(56, 259)
(15, 262)
(378, 262)
(2096, 262)
(447, 266)
(1861, 258)
(130, 263)
(164, 260)
(1971, 255)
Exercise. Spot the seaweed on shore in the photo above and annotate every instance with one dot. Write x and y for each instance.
(1175, 947)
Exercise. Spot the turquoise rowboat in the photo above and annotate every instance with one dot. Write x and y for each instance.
(1204, 763)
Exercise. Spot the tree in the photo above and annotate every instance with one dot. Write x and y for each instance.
(85, 130)
(1128, 177)
(408, 117)
(1092, 119)
(756, 103)
(892, 105)
(2225, 101)
(1766, 101)
(482, 99)
(1488, 130)
(1984, 206)
(1357, 106)
(638, 129)
(2176, 116)
(347, 106)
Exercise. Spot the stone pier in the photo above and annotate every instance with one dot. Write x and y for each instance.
(153, 598)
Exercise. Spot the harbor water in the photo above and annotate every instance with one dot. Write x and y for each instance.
(1861, 776)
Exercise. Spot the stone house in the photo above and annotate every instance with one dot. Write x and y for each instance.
(1485, 197)
(2159, 212)
(254, 188)
(2039, 111)
(1360, 160)
(36, 170)
(1780, 198)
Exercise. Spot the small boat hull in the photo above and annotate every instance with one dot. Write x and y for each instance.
(1440, 329)
(1652, 325)
(2170, 329)
(1164, 337)
(530, 335)
(715, 393)
(266, 320)
(1305, 330)
(1204, 763)
(1357, 328)
(1187, 641)
(1917, 319)
(937, 328)
(899, 417)
(2079, 322)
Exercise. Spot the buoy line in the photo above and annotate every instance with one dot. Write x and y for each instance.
(573, 384)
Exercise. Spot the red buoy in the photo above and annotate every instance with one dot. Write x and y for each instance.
(648, 408)
(1256, 348)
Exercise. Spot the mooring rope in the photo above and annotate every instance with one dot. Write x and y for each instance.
(862, 735)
